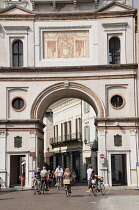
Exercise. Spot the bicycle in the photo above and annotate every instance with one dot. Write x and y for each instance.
(68, 192)
(36, 187)
(58, 183)
(98, 186)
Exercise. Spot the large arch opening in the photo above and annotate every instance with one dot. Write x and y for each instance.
(62, 90)
(70, 138)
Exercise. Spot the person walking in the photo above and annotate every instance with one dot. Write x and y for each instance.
(44, 174)
(89, 172)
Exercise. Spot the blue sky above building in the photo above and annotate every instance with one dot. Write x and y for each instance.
(135, 3)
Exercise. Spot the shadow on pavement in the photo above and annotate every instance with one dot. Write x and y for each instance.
(79, 195)
(6, 199)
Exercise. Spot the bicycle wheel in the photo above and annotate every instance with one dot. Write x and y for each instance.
(58, 185)
(95, 190)
(35, 189)
(69, 192)
(102, 189)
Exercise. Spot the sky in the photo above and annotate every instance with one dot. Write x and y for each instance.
(135, 3)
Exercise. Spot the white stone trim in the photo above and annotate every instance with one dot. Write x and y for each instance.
(14, 33)
(66, 26)
(26, 153)
(112, 30)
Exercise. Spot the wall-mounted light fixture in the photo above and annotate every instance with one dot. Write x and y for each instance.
(48, 149)
(85, 141)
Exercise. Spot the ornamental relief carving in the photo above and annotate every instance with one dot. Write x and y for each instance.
(66, 44)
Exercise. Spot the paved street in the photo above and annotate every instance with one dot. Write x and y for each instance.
(80, 200)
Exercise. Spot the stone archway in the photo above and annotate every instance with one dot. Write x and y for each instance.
(65, 90)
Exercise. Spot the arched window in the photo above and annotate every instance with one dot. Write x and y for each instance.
(114, 50)
(18, 53)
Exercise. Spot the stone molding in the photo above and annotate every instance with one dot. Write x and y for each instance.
(20, 130)
(115, 119)
(59, 86)
(67, 16)
(65, 78)
(109, 67)
(116, 127)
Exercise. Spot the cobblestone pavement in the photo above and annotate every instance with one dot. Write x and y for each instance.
(79, 200)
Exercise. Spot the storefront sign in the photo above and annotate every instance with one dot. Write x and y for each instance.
(33, 154)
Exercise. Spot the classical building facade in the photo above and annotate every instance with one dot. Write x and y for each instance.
(53, 50)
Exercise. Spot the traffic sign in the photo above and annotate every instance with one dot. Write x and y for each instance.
(102, 156)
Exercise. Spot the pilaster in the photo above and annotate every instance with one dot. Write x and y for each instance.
(3, 145)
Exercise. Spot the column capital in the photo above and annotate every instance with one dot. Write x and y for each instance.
(133, 132)
(33, 133)
(3, 134)
(102, 132)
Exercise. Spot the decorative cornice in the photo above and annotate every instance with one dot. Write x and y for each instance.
(116, 127)
(16, 28)
(33, 79)
(23, 122)
(34, 130)
(115, 119)
(109, 67)
(67, 16)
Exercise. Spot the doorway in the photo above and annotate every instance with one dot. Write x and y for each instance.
(17, 167)
(119, 170)
(76, 164)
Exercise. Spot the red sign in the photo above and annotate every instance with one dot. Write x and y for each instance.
(102, 156)
(33, 154)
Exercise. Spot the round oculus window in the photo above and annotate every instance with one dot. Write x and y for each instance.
(117, 101)
(18, 103)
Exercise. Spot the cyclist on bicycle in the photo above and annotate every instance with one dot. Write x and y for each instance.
(67, 178)
(43, 174)
(59, 173)
(37, 177)
(92, 177)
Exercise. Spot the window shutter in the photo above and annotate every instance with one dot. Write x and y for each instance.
(87, 107)
(88, 133)
(76, 125)
(62, 131)
(85, 133)
(84, 107)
